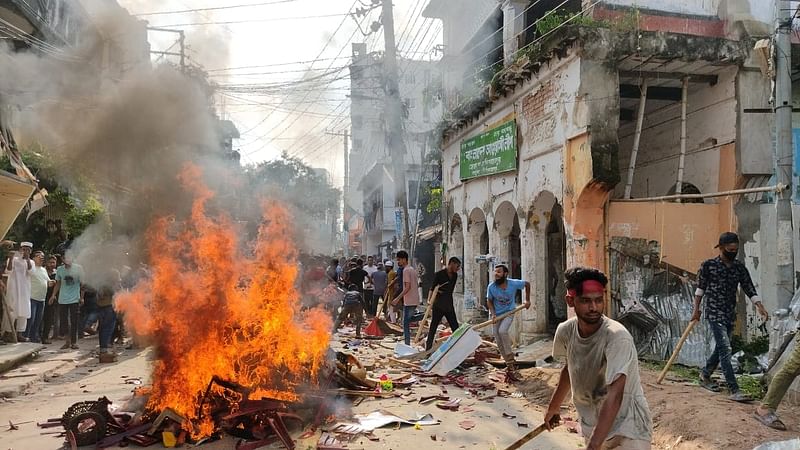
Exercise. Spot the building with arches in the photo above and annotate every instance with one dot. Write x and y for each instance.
(559, 141)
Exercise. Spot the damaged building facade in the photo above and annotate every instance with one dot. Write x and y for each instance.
(539, 167)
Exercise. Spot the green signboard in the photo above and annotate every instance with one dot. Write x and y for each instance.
(494, 151)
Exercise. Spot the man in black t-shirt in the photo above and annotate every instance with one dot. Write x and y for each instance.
(357, 275)
(443, 303)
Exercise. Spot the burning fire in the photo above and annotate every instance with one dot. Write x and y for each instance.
(213, 309)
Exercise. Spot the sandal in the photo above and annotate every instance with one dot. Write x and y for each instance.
(771, 420)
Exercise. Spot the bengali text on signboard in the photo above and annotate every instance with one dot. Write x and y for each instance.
(494, 151)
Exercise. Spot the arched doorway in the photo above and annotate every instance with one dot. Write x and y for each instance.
(506, 222)
(479, 235)
(457, 249)
(546, 225)
(556, 256)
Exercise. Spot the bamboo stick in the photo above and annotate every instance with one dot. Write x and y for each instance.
(431, 300)
(676, 351)
(498, 318)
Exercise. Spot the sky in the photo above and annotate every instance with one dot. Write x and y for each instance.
(257, 55)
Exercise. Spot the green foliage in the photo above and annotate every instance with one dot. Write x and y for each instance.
(299, 184)
(677, 370)
(79, 215)
(434, 200)
(757, 346)
(752, 387)
(79, 207)
(557, 18)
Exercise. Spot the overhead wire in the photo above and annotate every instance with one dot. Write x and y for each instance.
(235, 22)
(298, 116)
(330, 39)
(213, 8)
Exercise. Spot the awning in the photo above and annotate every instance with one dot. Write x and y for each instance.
(428, 233)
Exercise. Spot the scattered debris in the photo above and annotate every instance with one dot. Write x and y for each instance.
(452, 405)
(467, 424)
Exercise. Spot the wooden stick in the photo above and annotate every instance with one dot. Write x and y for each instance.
(360, 393)
(404, 363)
(498, 318)
(554, 422)
(676, 351)
(431, 300)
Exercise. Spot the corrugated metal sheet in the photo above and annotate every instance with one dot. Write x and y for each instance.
(655, 305)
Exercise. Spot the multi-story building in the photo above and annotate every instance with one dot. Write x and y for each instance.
(370, 188)
(542, 119)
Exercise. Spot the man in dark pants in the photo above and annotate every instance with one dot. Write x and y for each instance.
(68, 291)
(717, 282)
(50, 309)
(445, 279)
(352, 305)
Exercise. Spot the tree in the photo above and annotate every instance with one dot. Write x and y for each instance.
(76, 207)
(308, 191)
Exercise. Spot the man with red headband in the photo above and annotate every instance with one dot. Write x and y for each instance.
(501, 298)
(601, 370)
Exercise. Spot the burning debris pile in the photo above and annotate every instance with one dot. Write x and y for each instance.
(224, 318)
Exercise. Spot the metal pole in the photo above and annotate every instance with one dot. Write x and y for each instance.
(682, 159)
(394, 124)
(346, 189)
(416, 209)
(636, 139)
(183, 50)
(783, 164)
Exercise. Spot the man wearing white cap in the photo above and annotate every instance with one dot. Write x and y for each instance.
(18, 291)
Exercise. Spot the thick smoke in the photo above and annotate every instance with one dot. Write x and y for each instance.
(110, 120)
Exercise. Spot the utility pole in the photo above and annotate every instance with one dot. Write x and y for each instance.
(181, 41)
(346, 184)
(393, 117)
(784, 156)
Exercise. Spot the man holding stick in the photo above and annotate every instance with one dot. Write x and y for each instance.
(602, 370)
(500, 299)
(717, 282)
(443, 304)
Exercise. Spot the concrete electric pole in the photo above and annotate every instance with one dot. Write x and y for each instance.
(394, 119)
(346, 182)
(784, 154)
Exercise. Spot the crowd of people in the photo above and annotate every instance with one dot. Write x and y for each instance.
(47, 298)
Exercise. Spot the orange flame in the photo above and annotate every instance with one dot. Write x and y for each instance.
(212, 309)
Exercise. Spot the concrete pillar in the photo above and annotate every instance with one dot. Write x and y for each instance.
(513, 26)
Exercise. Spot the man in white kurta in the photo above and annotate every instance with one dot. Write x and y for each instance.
(18, 290)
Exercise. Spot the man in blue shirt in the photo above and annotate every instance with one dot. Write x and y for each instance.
(501, 298)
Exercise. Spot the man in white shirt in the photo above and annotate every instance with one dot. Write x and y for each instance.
(18, 291)
(39, 283)
(370, 299)
(601, 371)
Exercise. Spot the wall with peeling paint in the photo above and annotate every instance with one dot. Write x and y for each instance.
(686, 232)
(549, 110)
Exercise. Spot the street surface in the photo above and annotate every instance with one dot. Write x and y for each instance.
(73, 376)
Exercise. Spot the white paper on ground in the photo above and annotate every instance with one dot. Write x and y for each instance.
(402, 349)
(381, 418)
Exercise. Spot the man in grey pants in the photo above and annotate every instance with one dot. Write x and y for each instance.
(501, 298)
